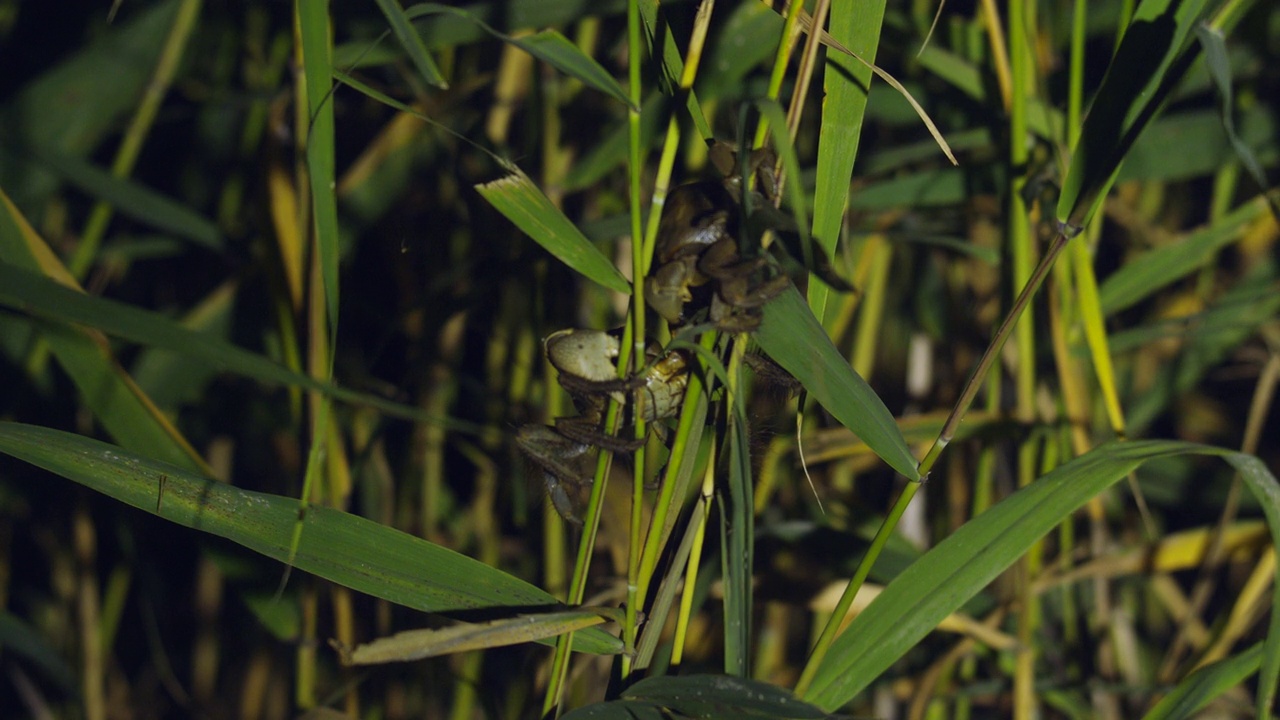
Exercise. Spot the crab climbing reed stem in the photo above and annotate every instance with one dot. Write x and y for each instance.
(638, 263)
(634, 333)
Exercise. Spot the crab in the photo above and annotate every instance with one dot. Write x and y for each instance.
(697, 262)
(587, 363)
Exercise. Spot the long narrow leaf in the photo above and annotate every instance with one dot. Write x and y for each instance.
(42, 298)
(517, 197)
(1151, 60)
(433, 642)
(411, 42)
(106, 389)
(961, 565)
(347, 549)
(548, 46)
(791, 335)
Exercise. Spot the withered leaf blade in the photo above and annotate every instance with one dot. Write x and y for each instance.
(424, 643)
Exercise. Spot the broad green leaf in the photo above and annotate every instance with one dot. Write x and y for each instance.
(347, 549)
(548, 46)
(1152, 58)
(970, 558)
(42, 298)
(1146, 274)
(791, 335)
(1205, 684)
(432, 642)
(721, 696)
(523, 203)
(700, 696)
(411, 42)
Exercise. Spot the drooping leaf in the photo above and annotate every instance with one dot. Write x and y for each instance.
(548, 46)
(523, 203)
(412, 43)
(791, 335)
(344, 548)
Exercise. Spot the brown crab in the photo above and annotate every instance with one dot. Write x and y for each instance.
(587, 363)
(697, 263)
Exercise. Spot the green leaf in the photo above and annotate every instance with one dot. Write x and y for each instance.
(1215, 57)
(1205, 684)
(523, 203)
(700, 696)
(1149, 272)
(104, 387)
(35, 649)
(791, 335)
(548, 46)
(737, 543)
(70, 108)
(433, 642)
(1152, 58)
(136, 201)
(42, 298)
(965, 562)
(411, 42)
(347, 549)
(461, 28)
(856, 26)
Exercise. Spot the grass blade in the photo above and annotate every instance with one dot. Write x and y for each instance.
(548, 46)
(1205, 684)
(966, 561)
(1152, 58)
(347, 549)
(411, 42)
(791, 335)
(1138, 280)
(518, 198)
(42, 298)
(433, 642)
